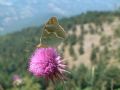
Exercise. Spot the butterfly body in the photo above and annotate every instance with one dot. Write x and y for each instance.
(51, 28)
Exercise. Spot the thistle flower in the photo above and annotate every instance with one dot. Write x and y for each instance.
(46, 62)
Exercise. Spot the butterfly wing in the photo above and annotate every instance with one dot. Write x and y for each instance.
(53, 33)
(60, 32)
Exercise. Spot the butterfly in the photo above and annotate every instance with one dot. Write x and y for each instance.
(53, 34)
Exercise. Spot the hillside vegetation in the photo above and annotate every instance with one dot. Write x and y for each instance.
(91, 50)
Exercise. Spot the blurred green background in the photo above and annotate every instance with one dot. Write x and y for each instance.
(91, 51)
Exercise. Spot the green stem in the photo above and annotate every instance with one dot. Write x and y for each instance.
(111, 84)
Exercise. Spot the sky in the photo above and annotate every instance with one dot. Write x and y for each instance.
(17, 14)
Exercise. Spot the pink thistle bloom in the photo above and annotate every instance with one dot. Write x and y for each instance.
(46, 62)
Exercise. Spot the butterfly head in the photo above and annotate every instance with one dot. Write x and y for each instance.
(52, 20)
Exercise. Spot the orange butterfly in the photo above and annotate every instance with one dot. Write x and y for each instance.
(53, 34)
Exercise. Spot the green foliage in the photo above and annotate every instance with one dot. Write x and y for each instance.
(105, 40)
(93, 56)
(29, 84)
(118, 54)
(117, 32)
(88, 17)
(81, 40)
(81, 50)
(72, 39)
